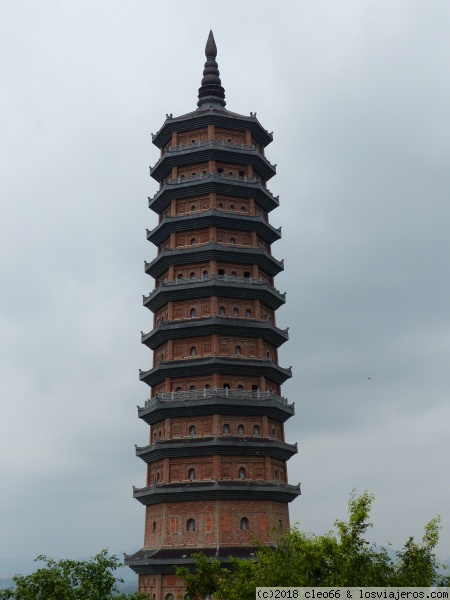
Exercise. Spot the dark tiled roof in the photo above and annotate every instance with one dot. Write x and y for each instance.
(186, 553)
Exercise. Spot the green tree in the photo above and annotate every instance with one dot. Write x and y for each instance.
(340, 558)
(91, 579)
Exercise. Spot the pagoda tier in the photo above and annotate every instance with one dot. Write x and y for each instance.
(216, 456)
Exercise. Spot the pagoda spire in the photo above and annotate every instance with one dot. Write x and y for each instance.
(211, 90)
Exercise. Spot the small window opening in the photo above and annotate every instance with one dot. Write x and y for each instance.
(242, 473)
(193, 351)
(154, 527)
(240, 429)
(193, 241)
(226, 428)
(222, 311)
(192, 430)
(248, 313)
(190, 525)
(235, 312)
(244, 523)
(191, 474)
(237, 351)
(256, 430)
(193, 313)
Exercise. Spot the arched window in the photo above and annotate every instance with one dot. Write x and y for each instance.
(235, 312)
(248, 313)
(193, 141)
(256, 430)
(181, 176)
(192, 430)
(220, 205)
(192, 388)
(237, 351)
(190, 525)
(180, 276)
(231, 205)
(276, 474)
(240, 387)
(233, 274)
(154, 527)
(243, 209)
(193, 241)
(193, 312)
(192, 274)
(230, 173)
(158, 477)
(191, 474)
(229, 139)
(244, 523)
(205, 273)
(222, 311)
(241, 429)
(206, 389)
(169, 597)
(280, 523)
(154, 596)
(273, 431)
(193, 207)
(226, 428)
(232, 241)
(193, 351)
(242, 473)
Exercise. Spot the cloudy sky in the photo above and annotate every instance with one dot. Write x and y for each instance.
(357, 93)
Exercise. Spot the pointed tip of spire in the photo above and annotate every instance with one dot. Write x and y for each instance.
(211, 48)
(211, 89)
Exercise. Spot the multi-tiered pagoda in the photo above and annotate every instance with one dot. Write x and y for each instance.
(216, 457)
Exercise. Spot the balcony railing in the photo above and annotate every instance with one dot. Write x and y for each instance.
(188, 178)
(233, 278)
(188, 395)
(202, 143)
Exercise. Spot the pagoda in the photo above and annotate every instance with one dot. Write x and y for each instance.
(216, 457)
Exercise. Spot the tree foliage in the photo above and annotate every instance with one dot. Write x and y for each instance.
(339, 558)
(91, 579)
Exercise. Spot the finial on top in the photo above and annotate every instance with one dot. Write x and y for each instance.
(211, 90)
(211, 48)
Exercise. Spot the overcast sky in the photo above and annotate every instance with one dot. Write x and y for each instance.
(357, 93)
